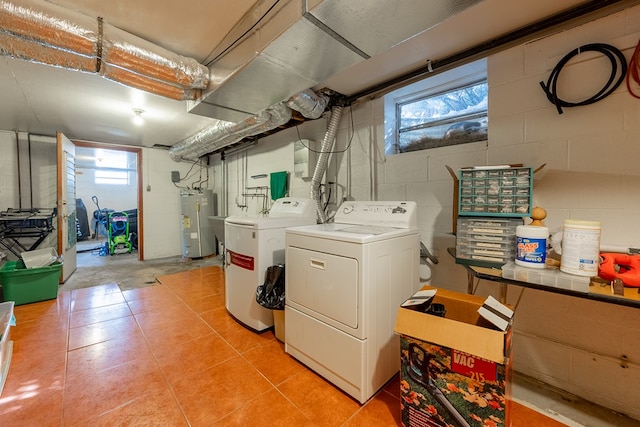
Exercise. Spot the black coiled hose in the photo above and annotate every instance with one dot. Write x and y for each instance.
(617, 61)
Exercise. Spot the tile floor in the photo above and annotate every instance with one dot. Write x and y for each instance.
(170, 355)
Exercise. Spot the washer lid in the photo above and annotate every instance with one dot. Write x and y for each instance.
(285, 212)
(268, 222)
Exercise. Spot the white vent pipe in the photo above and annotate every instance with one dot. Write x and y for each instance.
(323, 160)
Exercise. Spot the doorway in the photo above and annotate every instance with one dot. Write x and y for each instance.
(108, 197)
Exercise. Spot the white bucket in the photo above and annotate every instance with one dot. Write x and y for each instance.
(39, 257)
(531, 245)
(580, 247)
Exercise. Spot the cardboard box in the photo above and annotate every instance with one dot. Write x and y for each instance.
(455, 370)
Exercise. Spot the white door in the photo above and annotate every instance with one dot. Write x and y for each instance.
(67, 228)
(322, 283)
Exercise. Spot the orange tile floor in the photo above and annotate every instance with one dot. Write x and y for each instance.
(170, 355)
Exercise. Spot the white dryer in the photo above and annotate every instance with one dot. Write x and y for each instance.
(344, 283)
(252, 244)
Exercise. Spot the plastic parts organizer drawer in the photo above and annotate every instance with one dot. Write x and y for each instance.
(495, 191)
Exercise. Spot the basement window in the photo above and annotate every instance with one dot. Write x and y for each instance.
(449, 108)
(111, 167)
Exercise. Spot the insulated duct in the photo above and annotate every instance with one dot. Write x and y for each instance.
(225, 133)
(284, 46)
(44, 33)
(323, 160)
(308, 103)
(215, 137)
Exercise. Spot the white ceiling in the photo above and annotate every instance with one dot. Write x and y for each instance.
(42, 99)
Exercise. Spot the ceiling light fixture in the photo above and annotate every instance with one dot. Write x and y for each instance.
(137, 118)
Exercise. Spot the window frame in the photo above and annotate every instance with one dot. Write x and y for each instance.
(111, 176)
(447, 81)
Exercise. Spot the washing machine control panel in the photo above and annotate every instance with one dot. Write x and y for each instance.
(292, 206)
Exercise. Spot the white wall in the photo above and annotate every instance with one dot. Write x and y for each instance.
(161, 203)
(272, 154)
(116, 197)
(37, 186)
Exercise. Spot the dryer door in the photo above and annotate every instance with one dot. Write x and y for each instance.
(324, 284)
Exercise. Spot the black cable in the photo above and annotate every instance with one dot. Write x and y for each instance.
(617, 60)
(236, 41)
(195, 162)
(334, 151)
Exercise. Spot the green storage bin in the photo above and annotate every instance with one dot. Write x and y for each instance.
(25, 285)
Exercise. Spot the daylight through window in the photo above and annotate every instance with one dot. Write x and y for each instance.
(111, 167)
(447, 109)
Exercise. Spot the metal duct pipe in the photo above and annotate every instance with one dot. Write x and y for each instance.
(42, 32)
(323, 159)
(308, 103)
(222, 134)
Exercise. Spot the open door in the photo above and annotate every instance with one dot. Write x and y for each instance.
(67, 228)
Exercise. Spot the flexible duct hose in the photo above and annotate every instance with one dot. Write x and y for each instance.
(323, 159)
(614, 55)
(633, 71)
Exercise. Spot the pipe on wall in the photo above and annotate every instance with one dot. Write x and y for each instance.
(19, 178)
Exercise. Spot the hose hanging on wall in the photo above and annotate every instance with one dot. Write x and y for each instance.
(617, 61)
(634, 71)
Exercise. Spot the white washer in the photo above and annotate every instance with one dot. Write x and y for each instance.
(252, 245)
(344, 284)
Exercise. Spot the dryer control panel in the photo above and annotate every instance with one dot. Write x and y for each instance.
(401, 214)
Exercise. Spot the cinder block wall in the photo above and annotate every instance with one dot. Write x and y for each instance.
(591, 154)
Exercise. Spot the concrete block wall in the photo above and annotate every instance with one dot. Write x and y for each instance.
(591, 155)
(272, 154)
